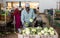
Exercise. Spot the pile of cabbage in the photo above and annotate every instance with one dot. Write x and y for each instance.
(38, 31)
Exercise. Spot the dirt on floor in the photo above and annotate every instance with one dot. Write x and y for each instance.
(9, 36)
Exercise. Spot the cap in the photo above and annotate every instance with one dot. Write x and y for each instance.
(27, 5)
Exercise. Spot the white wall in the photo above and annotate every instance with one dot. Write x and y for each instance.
(22, 0)
(44, 4)
(1, 1)
(47, 4)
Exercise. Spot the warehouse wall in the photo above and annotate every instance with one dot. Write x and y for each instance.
(44, 4)
(1, 1)
(22, 0)
(47, 4)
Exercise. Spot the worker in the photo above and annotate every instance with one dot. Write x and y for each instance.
(27, 14)
(17, 15)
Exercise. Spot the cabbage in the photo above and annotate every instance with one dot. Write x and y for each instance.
(45, 29)
(51, 28)
(52, 33)
(26, 24)
(39, 29)
(42, 31)
(31, 20)
(46, 33)
(33, 30)
(27, 31)
(23, 32)
(39, 33)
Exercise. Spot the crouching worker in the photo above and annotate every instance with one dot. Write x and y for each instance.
(39, 22)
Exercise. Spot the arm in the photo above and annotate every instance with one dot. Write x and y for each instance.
(33, 14)
(22, 17)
